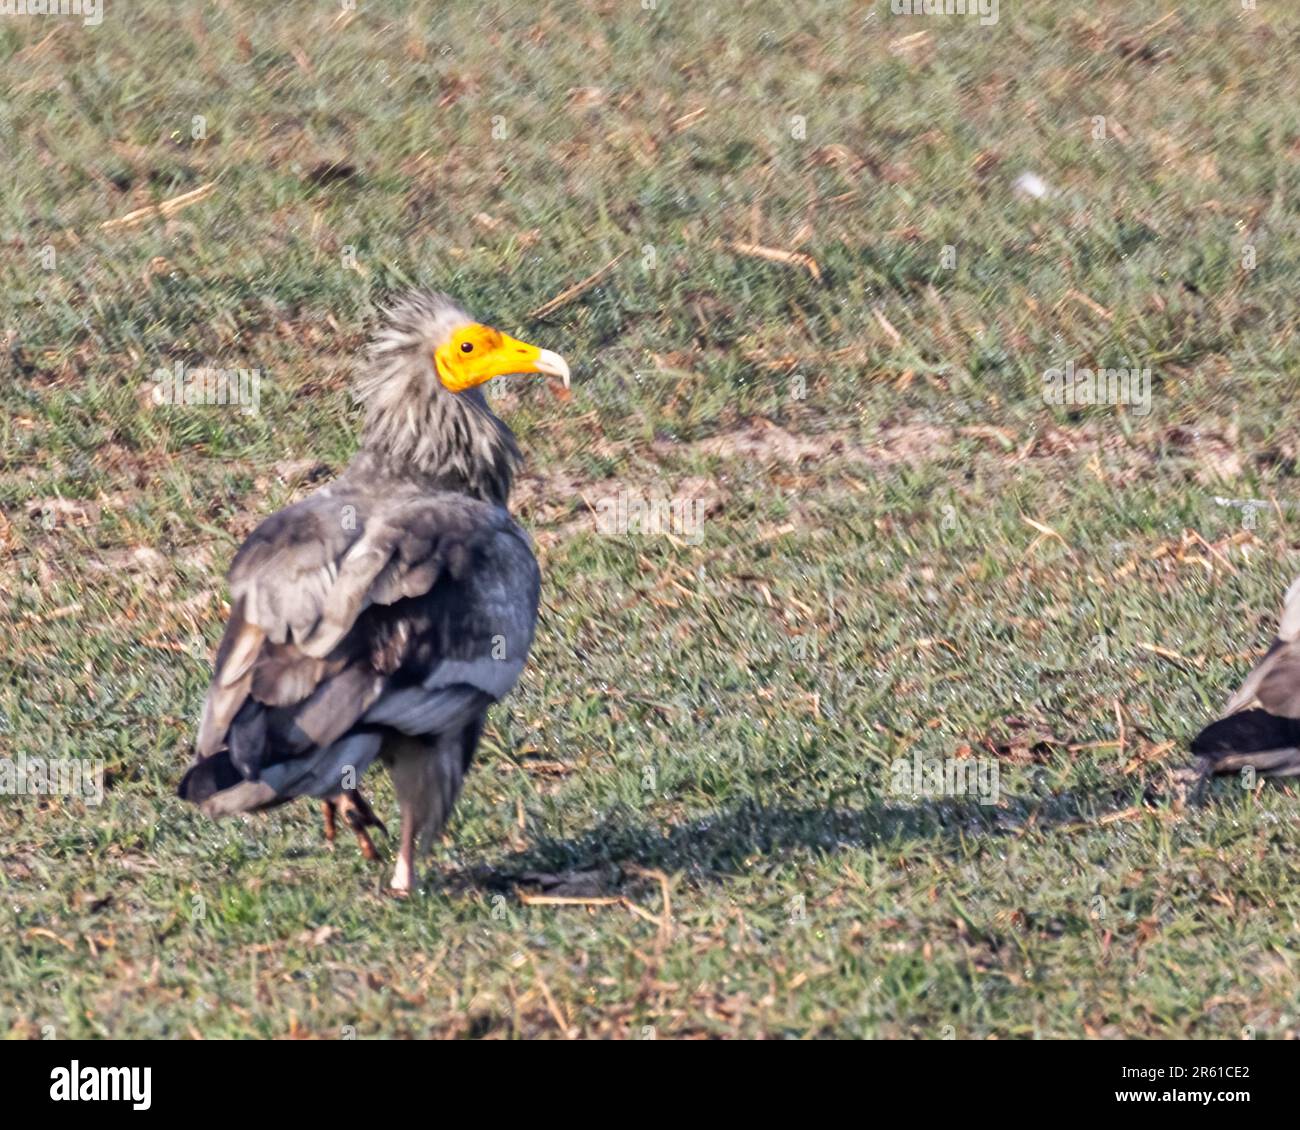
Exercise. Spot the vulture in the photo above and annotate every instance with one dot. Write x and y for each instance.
(381, 616)
(1260, 728)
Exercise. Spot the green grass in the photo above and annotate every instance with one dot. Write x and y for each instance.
(705, 731)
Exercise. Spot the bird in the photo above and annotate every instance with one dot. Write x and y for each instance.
(380, 617)
(1260, 727)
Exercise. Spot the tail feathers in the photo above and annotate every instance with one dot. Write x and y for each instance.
(1250, 738)
(211, 775)
(220, 786)
(215, 785)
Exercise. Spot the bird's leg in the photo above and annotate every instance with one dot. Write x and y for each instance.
(407, 760)
(427, 775)
(359, 816)
(327, 810)
(404, 873)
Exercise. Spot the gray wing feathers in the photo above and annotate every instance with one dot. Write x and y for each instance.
(1261, 723)
(1289, 626)
(301, 645)
(1274, 684)
(320, 774)
(489, 653)
(416, 710)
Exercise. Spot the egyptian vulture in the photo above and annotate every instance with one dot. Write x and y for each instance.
(382, 615)
(1261, 724)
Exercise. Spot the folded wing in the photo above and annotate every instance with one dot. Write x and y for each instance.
(1261, 726)
(355, 614)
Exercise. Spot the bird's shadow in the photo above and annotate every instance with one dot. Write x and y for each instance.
(600, 860)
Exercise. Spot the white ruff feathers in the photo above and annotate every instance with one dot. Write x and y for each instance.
(415, 427)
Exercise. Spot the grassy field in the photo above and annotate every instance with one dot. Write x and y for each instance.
(905, 551)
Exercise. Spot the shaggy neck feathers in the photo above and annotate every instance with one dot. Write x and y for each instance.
(416, 429)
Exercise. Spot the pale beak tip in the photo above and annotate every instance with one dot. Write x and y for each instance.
(554, 364)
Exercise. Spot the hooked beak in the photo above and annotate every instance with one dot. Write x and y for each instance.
(481, 353)
(553, 364)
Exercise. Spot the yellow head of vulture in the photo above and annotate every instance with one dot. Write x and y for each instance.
(476, 353)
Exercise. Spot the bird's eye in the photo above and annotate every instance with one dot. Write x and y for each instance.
(466, 347)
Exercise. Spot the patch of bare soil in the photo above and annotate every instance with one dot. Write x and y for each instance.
(559, 504)
(764, 442)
